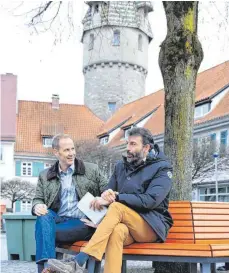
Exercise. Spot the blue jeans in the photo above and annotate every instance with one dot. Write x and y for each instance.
(52, 229)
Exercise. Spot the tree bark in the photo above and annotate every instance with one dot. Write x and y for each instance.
(180, 57)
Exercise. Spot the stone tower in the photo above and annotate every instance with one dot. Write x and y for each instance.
(116, 36)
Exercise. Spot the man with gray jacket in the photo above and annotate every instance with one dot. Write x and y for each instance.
(58, 191)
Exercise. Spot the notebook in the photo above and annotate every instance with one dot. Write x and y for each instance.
(95, 216)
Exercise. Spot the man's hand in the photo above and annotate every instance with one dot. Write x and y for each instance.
(109, 195)
(89, 223)
(40, 209)
(98, 203)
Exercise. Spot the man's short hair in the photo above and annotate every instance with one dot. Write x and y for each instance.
(56, 140)
(147, 137)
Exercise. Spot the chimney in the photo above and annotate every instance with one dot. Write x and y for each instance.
(55, 101)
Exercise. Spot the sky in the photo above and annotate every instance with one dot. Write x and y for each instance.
(44, 68)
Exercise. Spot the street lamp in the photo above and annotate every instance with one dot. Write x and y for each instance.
(216, 155)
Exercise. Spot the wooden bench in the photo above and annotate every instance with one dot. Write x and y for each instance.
(200, 235)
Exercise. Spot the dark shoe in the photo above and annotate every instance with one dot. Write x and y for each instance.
(65, 266)
(221, 268)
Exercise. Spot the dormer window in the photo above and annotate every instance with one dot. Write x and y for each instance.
(47, 141)
(104, 140)
(202, 110)
(126, 132)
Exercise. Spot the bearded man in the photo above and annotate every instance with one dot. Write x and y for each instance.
(137, 196)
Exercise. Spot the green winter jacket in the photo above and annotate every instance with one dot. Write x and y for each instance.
(86, 177)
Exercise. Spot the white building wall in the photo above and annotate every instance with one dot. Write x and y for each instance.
(7, 166)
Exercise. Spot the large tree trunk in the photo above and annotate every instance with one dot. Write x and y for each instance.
(180, 57)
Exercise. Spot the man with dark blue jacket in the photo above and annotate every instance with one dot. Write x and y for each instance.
(138, 198)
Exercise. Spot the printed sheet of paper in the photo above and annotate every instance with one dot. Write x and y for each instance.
(84, 205)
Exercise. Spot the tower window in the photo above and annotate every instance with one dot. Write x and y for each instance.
(116, 38)
(112, 106)
(140, 42)
(96, 8)
(91, 42)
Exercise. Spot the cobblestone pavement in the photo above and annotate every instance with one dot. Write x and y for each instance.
(30, 267)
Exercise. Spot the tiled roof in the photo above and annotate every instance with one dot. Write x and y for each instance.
(37, 119)
(209, 83)
(212, 80)
(134, 111)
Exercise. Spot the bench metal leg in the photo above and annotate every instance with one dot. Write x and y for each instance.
(193, 268)
(213, 268)
(123, 266)
(205, 268)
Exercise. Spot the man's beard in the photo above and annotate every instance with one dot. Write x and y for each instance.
(136, 158)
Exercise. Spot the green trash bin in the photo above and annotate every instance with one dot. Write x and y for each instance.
(20, 228)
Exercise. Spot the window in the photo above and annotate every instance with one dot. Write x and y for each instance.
(47, 165)
(91, 42)
(47, 141)
(140, 42)
(112, 106)
(223, 141)
(209, 194)
(116, 38)
(104, 140)
(213, 141)
(202, 110)
(126, 132)
(26, 169)
(26, 205)
(223, 138)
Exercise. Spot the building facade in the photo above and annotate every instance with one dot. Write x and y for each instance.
(8, 95)
(37, 124)
(116, 36)
(211, 125)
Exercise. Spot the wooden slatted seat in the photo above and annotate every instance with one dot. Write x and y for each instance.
(200, 234)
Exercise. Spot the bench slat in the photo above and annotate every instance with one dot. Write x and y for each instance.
(212, 241)
(223, 253)
(209, 205)
(219, 247)
(180, 205)
(211, 235)
(212, 211)
(209, 217)
(157, 252)
(180, 241)
(181, 230)
(211, 223)
(180, 211)
(182, 216)
(168, 246)
(181, 235)
(212, 229)
(185, 223)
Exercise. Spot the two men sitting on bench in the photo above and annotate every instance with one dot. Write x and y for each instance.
(137, 196)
